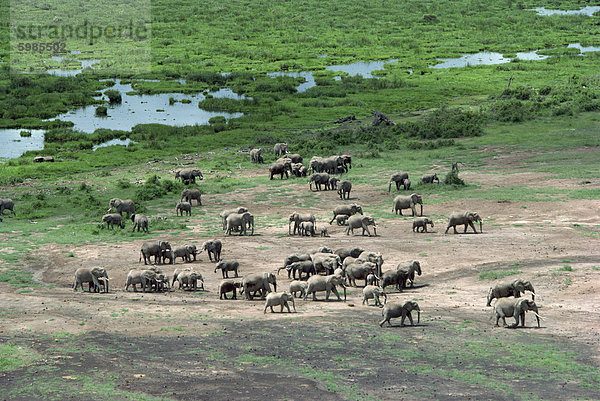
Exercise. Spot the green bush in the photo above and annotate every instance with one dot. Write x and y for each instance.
(155, 188)
(452, 178)
(114, 96)
(101, 111)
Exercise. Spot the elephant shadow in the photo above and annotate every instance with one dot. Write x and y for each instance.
(406, 325)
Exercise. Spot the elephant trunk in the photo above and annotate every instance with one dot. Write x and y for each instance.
(538, 317)
(290, 228)
(418, 316)
(480, 226)
(375, 230)
(421, 209)
(106, 283)
(275, 287)
(489, 297)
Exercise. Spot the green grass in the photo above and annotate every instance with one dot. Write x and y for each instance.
(14, 356)
(496, 274)
(565, 268)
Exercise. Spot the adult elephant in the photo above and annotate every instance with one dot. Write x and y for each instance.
(344, 189)
(183, 207)
(91, 276)
(511, 289)
(319, 179)
(325, 283)
(146, 278)
(346, 210)
(190, 194)
(258, 282)
(154, 248)
(332, 164)
(188, 175)
(466, 218)
(297, 218)
(140, 222)
(306, 266)
(225, 213)
(7, 204)
(363, 222)
(295, 157)
(407, 202)
(325, 262)
(373, 257)
(359, 270)
(316, 165)
(299, 170)
(293, 258)
(394, 309)
(514, 307)
(239, 221)
(120, 205)
(343, 253)
(280, 148)
(281, 168)
(401, 275)
(213, 248)
(398, 179)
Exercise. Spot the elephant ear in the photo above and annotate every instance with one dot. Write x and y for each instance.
(98, 271)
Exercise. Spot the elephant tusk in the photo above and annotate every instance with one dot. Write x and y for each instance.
(538, 316)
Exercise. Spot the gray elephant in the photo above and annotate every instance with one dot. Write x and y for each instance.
(120, 205)
(344, 189)
(296, 287)
(361, 222)
(190, 194)
(193, 251)
(91, 276)
(467, 218)
(140, 222)
(406, 184)
(7, 204)
(168, 254)
(229, 286)
(279, 298)
(513, 288)
(373, 292)
(397, 178)
(227, 212)
(347, 161)
(183, 207)
(325, 262)
(297, 218)
(515, 307)
(430, 179)
(213, 248)
(177, 272)
(342, 220)
(304, 266)
(258, 282)
(280, 149)
(307, 228)
(373, 257)
(184, 253)
(346, 210)
(294, 257)
(255, 156)
(333, 183)
(240, 221)
(228, 266)
(324, 283)
(359, 270)
(319, 179)
(295, 157)
(299, 170)
(343, 253)
(316, 164)
(280, 168)
(401, 275)
(111, 220)
(407, 202)
(393, 310)
(153, 248)
(188, 175)
(324, 232)
(145, 278)
(188, 279)
(421, 224)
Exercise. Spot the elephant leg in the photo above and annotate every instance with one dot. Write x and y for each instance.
(335, 291)
(410, 318)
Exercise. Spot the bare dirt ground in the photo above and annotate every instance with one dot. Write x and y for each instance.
(185, 345)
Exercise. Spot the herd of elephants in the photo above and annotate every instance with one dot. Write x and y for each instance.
(319, 270)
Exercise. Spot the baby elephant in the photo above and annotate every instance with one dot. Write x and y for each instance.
(183, 207)
(307, 228)
(279, 298)
(297, 286)
(394, 309)
(373, 292)
(324, 232)
(421, 223)
(226, 267)
(140, 222)
(229, 286)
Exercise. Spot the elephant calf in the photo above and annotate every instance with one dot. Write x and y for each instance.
(226, 267)
(373, 292)
(394, 309)
(279, 298)
(296, 287)
(213, 248)
(229, 286)
(183, 207)
(421, 223)
(140, 222)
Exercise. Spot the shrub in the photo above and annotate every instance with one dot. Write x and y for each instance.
(452, 178)
(101, 111)
(114, 96)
